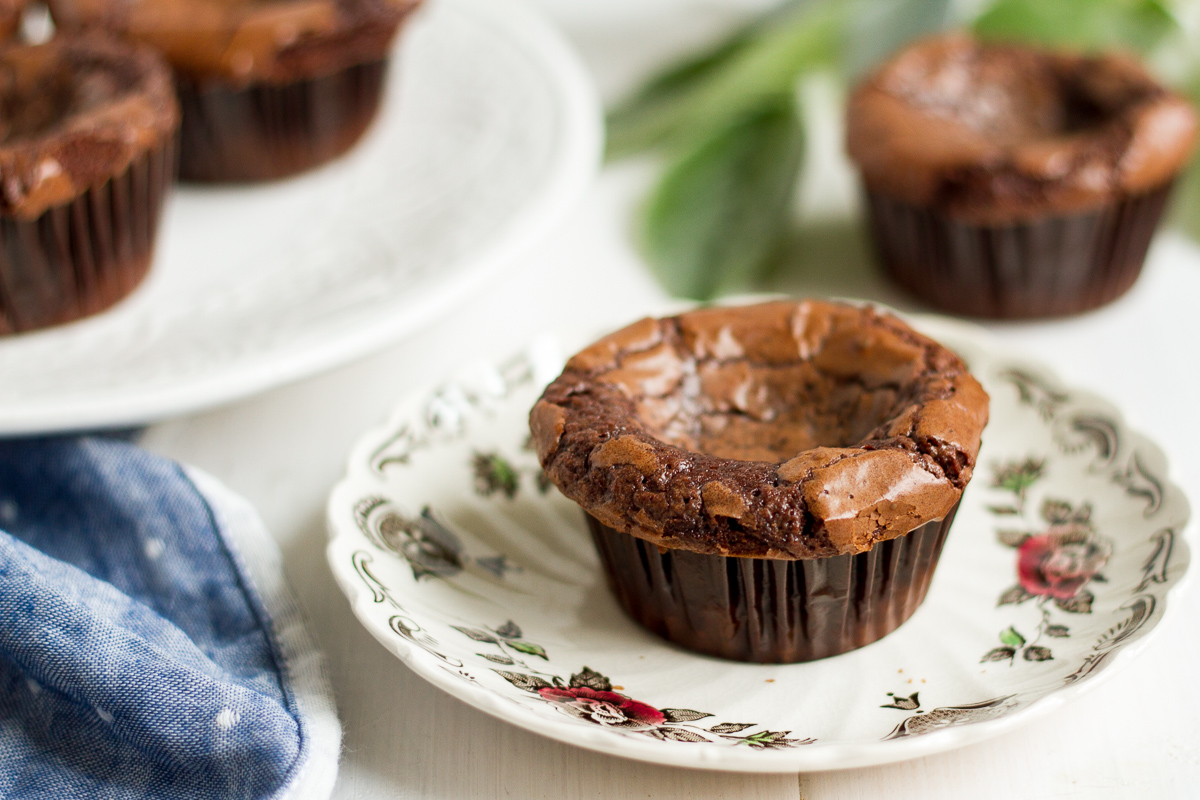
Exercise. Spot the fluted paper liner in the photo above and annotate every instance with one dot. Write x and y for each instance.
(266, 131)
(771, 610)
(81, 257)
(1048, 267)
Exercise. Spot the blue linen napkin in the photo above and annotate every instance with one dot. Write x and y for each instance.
(148, 647)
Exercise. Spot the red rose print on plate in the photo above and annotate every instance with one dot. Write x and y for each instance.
(604, 708)
(1061, 561)
(1054, 565)
(589, 697)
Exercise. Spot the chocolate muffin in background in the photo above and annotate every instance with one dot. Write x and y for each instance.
(768, 483)
(1006, 181)
(268, 88)
(87, 154)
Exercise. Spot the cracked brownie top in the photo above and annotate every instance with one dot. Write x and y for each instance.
(74, 112)
(782, 430)
(240, 42)
(996, 132)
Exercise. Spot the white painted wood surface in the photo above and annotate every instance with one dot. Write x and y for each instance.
(1136, 735)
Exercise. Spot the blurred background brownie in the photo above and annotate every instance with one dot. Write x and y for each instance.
(10, 17)
(768, 483)
(1006, 181)
(268, 88)
(87, 132)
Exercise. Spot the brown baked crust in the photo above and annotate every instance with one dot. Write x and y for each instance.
(10, 17)
(74, 112)
(996, 132)
(785, 430)
(239, 42)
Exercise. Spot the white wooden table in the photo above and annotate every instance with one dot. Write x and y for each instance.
(1136, 735)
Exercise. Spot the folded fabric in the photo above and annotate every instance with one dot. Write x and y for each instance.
(148, 647)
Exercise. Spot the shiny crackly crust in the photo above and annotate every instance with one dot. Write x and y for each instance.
(996, 132)
(123, 106)
(820, 502)
(239, 42)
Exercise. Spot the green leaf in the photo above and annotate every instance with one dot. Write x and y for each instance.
(530, 683)
(910, 703)
(497, 565)
(1011, 538)
(653, 114)
(477, 635)
(1011, 638)
(1018, 476)
(722, 209)
(1084, 24)
(675, 735)
(494, 474)
(1056, 511)
(683, 714)
(770, 65)
(763, 60)
(1081, 603)
(591, 679)
(999, 654)
(1014, 594)
(769, 740)
(509, 630)
(1038, 654)
(528, 648)
(495, 659)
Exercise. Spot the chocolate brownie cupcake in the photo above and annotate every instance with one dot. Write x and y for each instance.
(268, 88)
(1005, 181)
(767, 483)
(87, 153)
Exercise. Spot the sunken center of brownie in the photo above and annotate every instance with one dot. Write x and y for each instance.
(760, 412)
(1009, 96)
(765, 386)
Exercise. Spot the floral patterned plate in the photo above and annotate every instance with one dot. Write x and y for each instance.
(460, 558)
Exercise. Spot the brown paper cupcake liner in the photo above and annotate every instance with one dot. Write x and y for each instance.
(265, 131)
(81, 257)
(1042, 268)
(771, 610)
